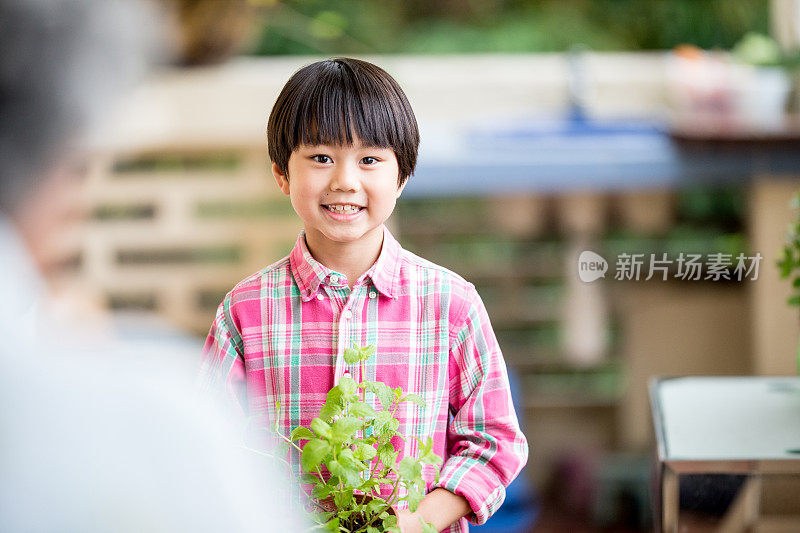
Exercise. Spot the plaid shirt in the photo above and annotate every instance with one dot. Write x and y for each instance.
(280, 335)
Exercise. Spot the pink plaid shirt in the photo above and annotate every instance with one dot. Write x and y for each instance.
(280, 335)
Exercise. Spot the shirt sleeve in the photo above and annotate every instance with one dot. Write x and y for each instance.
(222, 371)
(486, 448)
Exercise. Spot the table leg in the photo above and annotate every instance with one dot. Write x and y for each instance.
(743, 512)
(670, 500)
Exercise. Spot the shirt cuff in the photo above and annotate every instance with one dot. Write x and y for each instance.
(468, 477)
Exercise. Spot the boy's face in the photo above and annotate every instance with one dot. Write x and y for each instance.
(343, 194)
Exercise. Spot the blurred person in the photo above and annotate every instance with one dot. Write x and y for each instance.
(93, 437)
(343, 142)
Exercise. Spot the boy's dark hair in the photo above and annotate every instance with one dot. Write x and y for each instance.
(329, 102)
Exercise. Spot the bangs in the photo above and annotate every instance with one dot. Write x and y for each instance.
(337, 108)
(336, 101)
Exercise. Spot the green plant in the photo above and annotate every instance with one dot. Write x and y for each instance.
(351, 440)
(789, 263)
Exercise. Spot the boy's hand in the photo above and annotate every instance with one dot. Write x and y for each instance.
(408, 522)
(439, 507)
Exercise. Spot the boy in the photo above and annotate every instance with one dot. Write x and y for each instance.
(343, 142)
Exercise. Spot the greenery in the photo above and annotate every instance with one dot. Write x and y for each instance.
(764, 51)
(353, 442)
(789, 264)
(439, 26)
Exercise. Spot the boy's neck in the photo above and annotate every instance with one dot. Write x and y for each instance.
(351, 259)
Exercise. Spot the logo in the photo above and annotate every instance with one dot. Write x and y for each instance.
(591, 266)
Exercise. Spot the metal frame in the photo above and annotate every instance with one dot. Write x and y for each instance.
(668, 472)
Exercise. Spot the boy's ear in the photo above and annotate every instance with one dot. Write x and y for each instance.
(280, 178)
(400, 189)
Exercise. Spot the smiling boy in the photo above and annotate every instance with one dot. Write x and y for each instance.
(343, 142)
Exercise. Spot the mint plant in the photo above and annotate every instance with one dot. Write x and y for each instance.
(351, 440)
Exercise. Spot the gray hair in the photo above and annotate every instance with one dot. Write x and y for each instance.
(61, 63)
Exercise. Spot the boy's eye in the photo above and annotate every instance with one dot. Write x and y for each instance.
(368, 160)
(319, 158)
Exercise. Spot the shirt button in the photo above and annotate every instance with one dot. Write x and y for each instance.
(348, 314)
(320, 296)
(334, 280)
(372, 294)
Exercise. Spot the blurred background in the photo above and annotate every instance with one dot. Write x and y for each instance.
(548, 128)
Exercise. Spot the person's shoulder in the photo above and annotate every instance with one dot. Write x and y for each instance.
(254, 285)
(422, 272)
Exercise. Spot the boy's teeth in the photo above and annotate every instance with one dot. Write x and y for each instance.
(343, 208)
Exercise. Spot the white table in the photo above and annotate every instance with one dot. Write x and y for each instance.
(724, 425)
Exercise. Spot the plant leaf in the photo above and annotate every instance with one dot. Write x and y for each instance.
(387, 454)
(428, 528)
(364, 452)
(333, 524)
(351, 355)
(348, 460)
(321, 428)
(414, 399)
(345, 427)
(301, 432)
(384, 393)
(408, 468)
(361, 409)
(329, 410)
(347, 385)
(313, 453)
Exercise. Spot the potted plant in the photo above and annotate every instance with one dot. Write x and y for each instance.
(789, 263)
(348, 456)
(763, 79)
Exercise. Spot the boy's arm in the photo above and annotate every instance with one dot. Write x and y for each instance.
(222, 371)
(439, 507)
(486, 448)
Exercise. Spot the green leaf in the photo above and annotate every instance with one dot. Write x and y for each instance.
(387, 454)
(376, 505)
(350, 475)
(321, 428)
(384, 393)
(321, 491)
(794, 300)
(345, 427)
(361, 409)
(310, 478)
(364, 452)
(348, 460)
(347, 385)
(351, 355)
(314, 452)
(408, 468)
(428, 528)
(366, 352)
(414, 496)
(343, 499)
(301, 432)
(414, 399)
(333, 524)
(329, 410)
(430, 458)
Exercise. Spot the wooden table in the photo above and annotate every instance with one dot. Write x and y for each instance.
(724, 425)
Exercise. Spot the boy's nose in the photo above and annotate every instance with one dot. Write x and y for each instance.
(344, 179)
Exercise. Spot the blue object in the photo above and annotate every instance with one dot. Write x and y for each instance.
(520, 511)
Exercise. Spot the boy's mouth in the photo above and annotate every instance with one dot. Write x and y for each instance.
(343, 209)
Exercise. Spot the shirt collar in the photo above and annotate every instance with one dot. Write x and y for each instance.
(310, 273)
